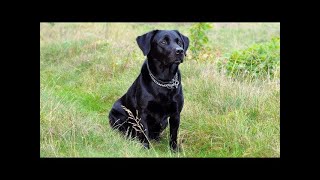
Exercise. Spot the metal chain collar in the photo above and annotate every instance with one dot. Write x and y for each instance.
(174, 83)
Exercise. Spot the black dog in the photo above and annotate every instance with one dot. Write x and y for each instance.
(156, 95)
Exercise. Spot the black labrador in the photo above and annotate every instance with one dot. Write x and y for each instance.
(156, 95)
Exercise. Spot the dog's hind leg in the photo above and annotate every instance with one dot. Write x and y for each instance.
(118, 118)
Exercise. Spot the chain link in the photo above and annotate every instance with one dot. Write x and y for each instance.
(174, 83)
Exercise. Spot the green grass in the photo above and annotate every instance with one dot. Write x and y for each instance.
(85, 68)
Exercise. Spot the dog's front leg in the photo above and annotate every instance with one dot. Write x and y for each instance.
(144, 133)
(174, 126)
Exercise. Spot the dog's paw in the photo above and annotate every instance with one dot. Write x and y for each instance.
(157, 139)
(146, 145)
(175, 147)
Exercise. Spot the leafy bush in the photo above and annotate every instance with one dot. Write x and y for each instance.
(259, 60)
(199, 40)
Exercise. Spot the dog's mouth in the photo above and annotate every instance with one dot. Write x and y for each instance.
(173, 60)
(177, 61)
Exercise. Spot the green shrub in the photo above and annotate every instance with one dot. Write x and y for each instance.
(199, 40)
(258, 61)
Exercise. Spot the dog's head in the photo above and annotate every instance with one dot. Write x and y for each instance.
(166, 46)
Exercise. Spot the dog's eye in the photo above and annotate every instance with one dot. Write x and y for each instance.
(180, 43)
(163, 42)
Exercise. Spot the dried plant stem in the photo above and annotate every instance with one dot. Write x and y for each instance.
(137, 125)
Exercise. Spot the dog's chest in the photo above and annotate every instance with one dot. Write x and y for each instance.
(163, 105)
(162, 108)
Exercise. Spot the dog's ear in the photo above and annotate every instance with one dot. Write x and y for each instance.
(185, 41)
(144, 41)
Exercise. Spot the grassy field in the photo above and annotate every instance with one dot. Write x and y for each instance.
(85, 68)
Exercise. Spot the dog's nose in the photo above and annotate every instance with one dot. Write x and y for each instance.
(179, 50)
